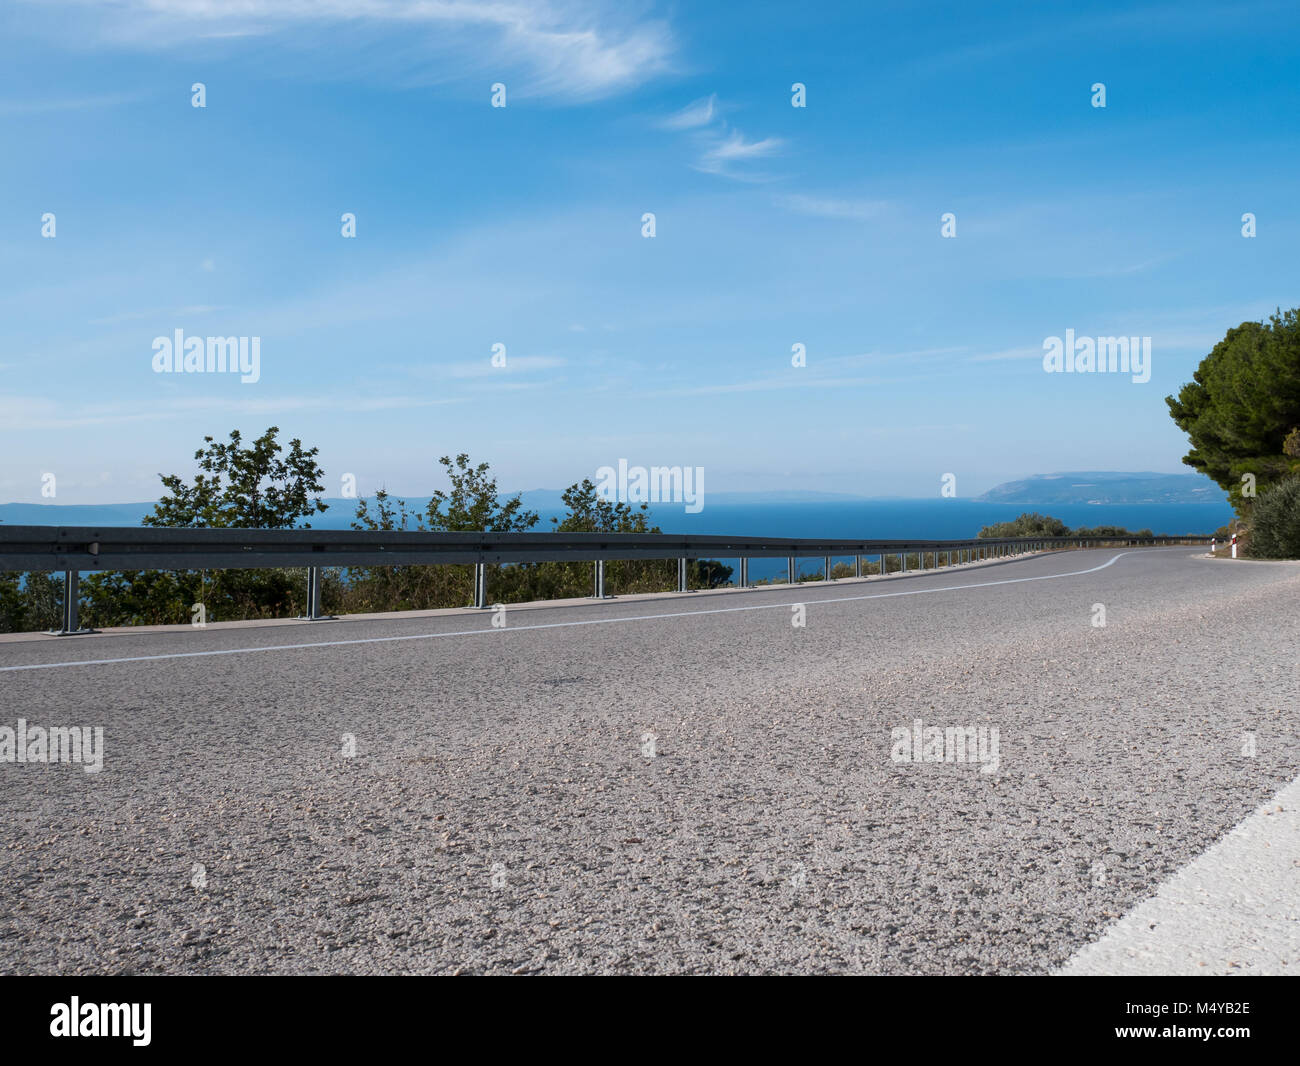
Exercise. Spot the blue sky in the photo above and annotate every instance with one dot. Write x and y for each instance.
(522, 226)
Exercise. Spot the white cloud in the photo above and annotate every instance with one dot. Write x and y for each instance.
(1009, 353)
(829, 207)
(693, 115)
(724, 154)
(38, 413)
(78, 103)
(722, 148)
(578, 48)
(514, 363)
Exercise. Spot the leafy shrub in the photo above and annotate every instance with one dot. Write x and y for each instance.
(1027, 525)
(1275, 523)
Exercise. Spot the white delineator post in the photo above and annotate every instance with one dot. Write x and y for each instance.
(1234, 545)
(1212, 545)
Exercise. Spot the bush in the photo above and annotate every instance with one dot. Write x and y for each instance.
(1027, 525)
(1110, 531)
(1275, 524)
(30, 602)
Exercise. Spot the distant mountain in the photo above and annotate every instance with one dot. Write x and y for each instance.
(1041, 490)
(1106, 487)
(71, 514)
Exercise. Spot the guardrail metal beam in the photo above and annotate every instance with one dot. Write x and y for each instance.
(49, 548)
(78, 549)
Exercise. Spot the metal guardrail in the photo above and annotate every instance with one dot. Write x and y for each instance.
(77, 549)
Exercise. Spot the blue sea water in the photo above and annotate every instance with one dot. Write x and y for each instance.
(942, 519)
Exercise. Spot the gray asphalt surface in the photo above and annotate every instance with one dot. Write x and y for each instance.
(500, 816)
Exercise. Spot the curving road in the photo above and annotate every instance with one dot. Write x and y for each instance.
(679, 783)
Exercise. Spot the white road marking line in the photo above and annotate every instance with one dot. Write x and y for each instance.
(1233, 910)
(558, 625)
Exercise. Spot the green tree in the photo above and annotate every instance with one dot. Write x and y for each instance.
(255, 487)
(471, 503)
(244, 488)
(1242, 406)
(587, 511)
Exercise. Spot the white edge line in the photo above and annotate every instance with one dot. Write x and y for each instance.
(551, 625)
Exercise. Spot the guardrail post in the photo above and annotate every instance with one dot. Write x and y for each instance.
(857, 566)
(599, 592)
(826, 568)
(681, 576)
(789, 566)
(313, 598)
(744, 573)
(480, 586)
(902, 559)
(71, 606)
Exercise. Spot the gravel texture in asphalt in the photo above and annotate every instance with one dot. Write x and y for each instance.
(714, 790)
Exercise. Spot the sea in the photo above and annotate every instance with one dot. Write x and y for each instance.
(866, 519)
(941, 519)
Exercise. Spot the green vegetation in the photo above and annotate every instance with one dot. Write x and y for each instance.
(29, 602)
(244, 488)
(1033, 524)
(237, 487)
(263, 487)
(1029, 524)
(1275, 522)
(1241, 410)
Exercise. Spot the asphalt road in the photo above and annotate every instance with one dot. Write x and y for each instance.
(503, 811)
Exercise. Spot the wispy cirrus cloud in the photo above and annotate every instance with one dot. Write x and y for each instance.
(835, 207)
(39, 413)
(831, 372)
(694, 115)
(733, 150)
(577, 49)
(723, 149)
(69, 103)
(1030, 352)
